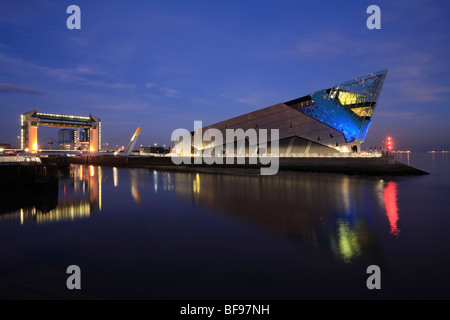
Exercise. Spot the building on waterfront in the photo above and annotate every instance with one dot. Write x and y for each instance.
(67, 139)
(84, 139)
(333, 120)
(90, 127)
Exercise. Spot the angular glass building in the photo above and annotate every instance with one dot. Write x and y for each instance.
(332, 120)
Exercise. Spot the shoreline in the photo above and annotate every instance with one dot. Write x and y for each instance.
(383, 166)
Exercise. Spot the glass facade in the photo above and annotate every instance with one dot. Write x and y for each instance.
(348, 106)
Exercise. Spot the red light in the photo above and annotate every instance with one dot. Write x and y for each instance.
(389, 143)
(390, 203)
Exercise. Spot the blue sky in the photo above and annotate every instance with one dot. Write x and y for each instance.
(163, 64)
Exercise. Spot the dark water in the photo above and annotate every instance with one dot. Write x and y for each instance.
(145, 234)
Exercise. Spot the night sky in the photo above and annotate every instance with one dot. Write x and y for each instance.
(163, 64)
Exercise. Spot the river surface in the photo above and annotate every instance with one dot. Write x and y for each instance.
(146, 234)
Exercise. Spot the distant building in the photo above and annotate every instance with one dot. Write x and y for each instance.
(90, 129)
(67, 139)
(84, 139)
(5, 146)
(151, 150)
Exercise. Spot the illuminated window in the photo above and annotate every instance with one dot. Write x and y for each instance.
(363, 111)
(346, 98)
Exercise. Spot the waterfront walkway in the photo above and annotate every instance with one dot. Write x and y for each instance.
(19, 160)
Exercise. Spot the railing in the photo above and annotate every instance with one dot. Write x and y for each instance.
(298, 155)
(19, 160)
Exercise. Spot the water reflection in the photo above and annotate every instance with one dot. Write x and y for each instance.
(135, 186)
(116, 177)
(390, 201)
(163, 180)
(322, 211)
(142, 179)
(76, 195)
(348, 242)
(326, 212)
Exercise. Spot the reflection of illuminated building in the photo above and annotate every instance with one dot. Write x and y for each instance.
(390, 201)
(115, 177)
(135, 186)
(144, 178)
(288, 204)
(65, 211)
(95, 186)
(162, 179)
(79, 196)
(348, 243)
(196, 184)
(387, 197)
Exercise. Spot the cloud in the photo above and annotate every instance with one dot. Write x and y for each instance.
(168, 92)
(120, 107)
(413, 116)
(313, 48)
(414, 78)
(249, 100)
(117, 85)
(11, 88)
(137, 108)
(417, 91)
(202, 101)
(81, 74)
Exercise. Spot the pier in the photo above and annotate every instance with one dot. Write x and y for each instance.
(355, 164)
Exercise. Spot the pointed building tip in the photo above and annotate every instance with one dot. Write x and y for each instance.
(381, 72)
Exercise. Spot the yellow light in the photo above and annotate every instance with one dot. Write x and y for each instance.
(91, 149)
(347, 98)
(91, 169)
(196, 184)
(35, 146)
(347, 242)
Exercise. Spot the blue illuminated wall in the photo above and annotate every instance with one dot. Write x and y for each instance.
(332, 113)
(348, 106)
